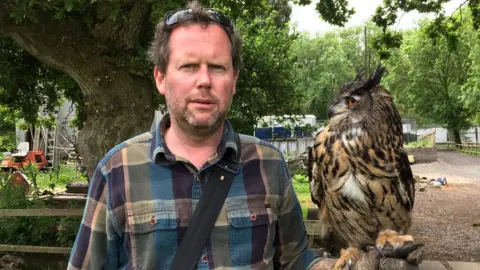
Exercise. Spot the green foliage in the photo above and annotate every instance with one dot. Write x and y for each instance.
(442, 27)
(301, 184)
(57, 178)
(324, 63)
(302, 189)
(264, 85)
(27, 86)
(420, 143)
(471, 90)
(430, 80)
(335, 12)
(477, 119)
(31, 171)
(7, 132)
(277, 77)
(265, 82)
(42, 231)
(384, 42)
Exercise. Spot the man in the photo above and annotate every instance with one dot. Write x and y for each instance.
(144, 191)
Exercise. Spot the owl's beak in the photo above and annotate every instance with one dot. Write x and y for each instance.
(336, 109)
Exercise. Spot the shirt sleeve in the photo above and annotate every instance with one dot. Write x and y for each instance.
(97, 242)
(291, 242)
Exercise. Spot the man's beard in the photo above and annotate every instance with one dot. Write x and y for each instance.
(187, 122)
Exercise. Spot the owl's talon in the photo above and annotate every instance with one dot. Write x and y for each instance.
(393, 238)
(350, 263)
(347, 258)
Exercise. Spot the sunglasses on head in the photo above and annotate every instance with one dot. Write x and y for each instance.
(180, 15)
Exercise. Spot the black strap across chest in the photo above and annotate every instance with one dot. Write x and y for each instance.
(207, 211)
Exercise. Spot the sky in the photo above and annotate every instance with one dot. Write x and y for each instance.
(307, 19)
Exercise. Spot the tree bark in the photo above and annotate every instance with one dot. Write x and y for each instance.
(118, 105)
(456, 136)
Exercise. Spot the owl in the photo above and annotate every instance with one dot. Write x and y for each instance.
(360, 176)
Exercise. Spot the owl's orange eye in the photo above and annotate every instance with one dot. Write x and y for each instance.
(351, 102)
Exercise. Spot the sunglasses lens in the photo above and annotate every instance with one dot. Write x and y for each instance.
(175, 17)
(185, 14)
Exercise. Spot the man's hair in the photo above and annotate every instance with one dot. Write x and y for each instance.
(159, 51)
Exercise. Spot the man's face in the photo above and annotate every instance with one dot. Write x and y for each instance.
(200, 80)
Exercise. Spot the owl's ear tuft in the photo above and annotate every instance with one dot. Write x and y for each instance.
(375, 79)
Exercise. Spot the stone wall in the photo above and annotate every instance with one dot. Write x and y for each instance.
(423, 155)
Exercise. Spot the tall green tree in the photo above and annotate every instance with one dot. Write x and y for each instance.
(100, 45)
(7, 132)
(435, 82)
(94, 53)
(325, 62)
(321, 67)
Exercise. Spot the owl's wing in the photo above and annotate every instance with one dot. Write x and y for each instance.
(406, 179)
(315, 174)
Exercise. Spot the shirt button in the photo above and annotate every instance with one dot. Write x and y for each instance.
(152, 220)
(198, 178)
(204, 258)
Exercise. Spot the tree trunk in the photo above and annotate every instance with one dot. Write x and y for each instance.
(118, 105)
(456, 135)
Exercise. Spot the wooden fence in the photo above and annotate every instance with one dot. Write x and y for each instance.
(312, 227)
(470, 148)
(429, 138)
(37, 213)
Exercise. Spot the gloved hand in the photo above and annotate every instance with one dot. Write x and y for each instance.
(408, 257)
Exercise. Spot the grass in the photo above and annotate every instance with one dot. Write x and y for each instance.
(54, 179)
(302, 189)
(421, 143)
(59, 177)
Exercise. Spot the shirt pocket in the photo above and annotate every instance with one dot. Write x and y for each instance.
(251, 233)
(154, 237)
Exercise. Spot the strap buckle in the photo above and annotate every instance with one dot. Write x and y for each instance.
(230, 166)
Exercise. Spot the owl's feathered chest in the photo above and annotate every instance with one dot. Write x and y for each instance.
(356, 165)
(356, 151)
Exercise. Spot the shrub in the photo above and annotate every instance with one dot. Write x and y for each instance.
(44, 231)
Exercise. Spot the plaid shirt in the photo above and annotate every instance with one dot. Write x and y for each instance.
(141, 198)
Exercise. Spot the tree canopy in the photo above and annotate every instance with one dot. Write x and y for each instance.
(325, 62)
(436, 82)
(94, 53)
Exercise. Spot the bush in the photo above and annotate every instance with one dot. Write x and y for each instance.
(44, 231)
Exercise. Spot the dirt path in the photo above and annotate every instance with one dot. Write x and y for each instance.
(444, 217)
(458, 168)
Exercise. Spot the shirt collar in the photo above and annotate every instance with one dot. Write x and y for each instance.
(161, 154)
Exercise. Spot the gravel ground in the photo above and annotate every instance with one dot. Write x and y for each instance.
(443, 218)
(458, 168)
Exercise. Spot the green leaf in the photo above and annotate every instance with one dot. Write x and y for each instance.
(69, 4)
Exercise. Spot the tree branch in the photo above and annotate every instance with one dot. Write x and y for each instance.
(123, 30)
(63, 47)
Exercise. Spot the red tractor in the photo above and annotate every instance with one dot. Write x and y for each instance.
(17, 161)
(14, 164)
